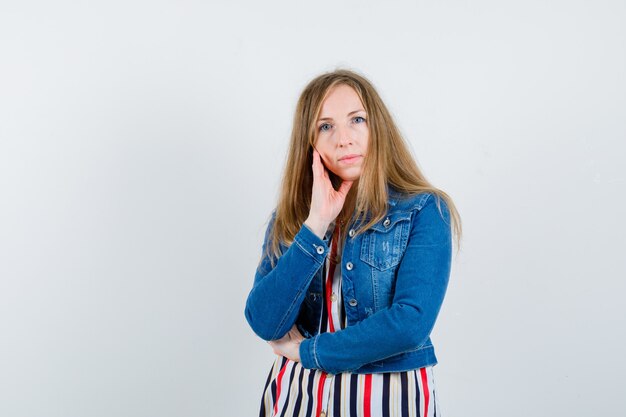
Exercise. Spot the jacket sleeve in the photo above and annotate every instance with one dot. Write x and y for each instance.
(421, 283)
(273, 303)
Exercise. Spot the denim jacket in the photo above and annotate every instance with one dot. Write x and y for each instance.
(394, 279)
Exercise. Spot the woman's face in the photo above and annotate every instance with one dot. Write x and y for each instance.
(342, 132)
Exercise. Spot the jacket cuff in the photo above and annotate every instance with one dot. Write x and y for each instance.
(310, 243)
(308, 359)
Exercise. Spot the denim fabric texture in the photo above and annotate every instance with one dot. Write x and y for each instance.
(394, 279)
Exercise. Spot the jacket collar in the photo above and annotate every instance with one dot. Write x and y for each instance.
(393, 195)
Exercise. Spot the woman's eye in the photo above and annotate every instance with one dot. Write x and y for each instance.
(359, 119)
(324, 127)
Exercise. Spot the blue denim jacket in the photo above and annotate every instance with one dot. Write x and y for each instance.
(394, 279)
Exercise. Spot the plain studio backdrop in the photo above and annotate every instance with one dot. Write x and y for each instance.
(141, 149)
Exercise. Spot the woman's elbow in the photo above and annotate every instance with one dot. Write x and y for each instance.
(259, 327)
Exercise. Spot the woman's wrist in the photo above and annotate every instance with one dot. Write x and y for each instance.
(318, 227)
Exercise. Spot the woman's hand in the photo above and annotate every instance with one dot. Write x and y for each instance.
(289, 345)
(326, 203)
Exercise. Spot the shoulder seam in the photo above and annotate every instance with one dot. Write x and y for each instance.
(418, 203)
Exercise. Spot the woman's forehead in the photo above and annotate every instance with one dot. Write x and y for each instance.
(340, 100)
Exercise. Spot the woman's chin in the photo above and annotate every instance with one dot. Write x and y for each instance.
(346, 178)
(346, 175)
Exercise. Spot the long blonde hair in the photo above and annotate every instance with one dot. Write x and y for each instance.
(388, 162)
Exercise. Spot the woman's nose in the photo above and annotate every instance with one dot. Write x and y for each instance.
(344, 136)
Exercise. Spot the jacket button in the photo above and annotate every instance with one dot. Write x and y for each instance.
(349, 266)
(320, 249)
(351, 233)
(387, 222)
(322, 414)
(352, 302)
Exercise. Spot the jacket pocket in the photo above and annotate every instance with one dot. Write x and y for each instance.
(313, 299)
(384, 244)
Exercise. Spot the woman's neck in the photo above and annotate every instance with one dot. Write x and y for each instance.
(348, 206)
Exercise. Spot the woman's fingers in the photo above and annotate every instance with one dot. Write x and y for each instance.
(344, 188)
(294, 333)
(288, 345)
(314, 167)
(318, 168)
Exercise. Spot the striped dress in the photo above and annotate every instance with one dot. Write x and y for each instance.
(294, 391)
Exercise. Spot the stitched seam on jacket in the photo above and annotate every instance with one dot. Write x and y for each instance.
(305, 251)
(422, 202)
(317, 362)
(291, 306)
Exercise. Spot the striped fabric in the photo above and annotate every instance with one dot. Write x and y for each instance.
(291, 390)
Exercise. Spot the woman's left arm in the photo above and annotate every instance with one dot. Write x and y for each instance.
(421, 283)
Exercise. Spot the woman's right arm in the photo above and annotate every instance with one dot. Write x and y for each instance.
(274, 302)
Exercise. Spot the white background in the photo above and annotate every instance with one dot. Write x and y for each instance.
(141, 147)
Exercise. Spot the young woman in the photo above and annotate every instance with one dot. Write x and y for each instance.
(355, 263)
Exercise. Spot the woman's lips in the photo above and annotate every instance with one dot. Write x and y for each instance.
(350, 159)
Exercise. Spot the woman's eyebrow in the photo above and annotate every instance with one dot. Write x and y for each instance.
(349, 114)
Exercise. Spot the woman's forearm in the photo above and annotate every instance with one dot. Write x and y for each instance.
(274, 301)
